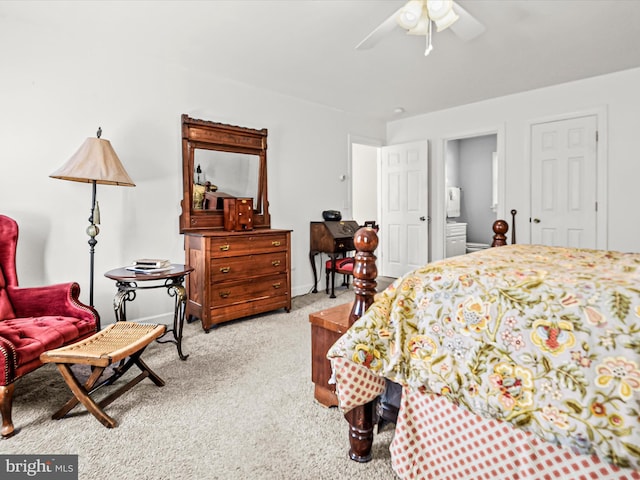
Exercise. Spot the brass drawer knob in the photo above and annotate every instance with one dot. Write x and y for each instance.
(275, 243)
(224, 248)
(276, 285)
(225, 294)
(276, 263)
(225, 269)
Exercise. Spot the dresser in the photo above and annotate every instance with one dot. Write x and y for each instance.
(237, 274)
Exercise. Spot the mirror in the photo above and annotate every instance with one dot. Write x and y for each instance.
(228, 173)
(220, 161)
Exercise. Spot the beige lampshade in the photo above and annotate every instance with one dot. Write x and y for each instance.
(95, 160)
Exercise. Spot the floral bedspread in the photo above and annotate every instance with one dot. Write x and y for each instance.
(545, 338)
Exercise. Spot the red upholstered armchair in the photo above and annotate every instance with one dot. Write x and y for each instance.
(32, 321)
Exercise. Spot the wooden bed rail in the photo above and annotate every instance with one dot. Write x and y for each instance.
(362, 419)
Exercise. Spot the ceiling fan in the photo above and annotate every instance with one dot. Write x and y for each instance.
(417, 17)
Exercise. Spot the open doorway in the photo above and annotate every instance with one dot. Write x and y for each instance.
(472, 192)
(364, 182)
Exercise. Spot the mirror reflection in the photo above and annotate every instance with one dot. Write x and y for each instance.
(221, 161)
(220, 174)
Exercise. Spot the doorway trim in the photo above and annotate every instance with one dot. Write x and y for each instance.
(602, 163)
(441, 202)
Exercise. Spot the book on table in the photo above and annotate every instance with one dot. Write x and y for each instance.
(151, 263)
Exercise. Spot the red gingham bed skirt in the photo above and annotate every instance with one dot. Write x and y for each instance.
(437, 440)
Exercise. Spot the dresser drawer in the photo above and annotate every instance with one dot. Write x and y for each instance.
(251, 289)
(248, 244)
(237, 268)
(454, 229)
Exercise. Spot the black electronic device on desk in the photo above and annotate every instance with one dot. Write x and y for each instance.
(331, 216)
(334, 238)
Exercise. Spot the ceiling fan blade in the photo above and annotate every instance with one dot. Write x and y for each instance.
(379, 32)
(467, 27)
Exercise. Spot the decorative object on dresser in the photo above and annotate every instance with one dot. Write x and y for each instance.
(94, 162)
(238, 214)
(334, 238)
(242, 266)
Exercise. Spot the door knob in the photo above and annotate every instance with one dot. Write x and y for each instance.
(536, 220)
(422, 219)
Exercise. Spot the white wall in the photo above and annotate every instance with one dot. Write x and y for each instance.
(54, 94)
(616, 94)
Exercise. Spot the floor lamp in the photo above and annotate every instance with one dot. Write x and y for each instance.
(94, 162)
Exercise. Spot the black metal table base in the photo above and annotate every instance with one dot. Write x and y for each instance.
(175, 288)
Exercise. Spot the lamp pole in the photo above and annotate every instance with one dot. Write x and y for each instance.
(93, 231)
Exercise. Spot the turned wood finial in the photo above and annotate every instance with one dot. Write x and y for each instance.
(500, 228)
(365, 271)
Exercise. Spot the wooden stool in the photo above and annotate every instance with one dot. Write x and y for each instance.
(110, 345)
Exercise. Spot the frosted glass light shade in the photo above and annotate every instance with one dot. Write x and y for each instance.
(422, 27)
(96, 161)
(410, 14)
(441, 12)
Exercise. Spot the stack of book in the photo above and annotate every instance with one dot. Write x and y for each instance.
(150, 265)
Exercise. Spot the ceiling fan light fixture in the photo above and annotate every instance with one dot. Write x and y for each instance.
(446, 21)
(409, 15)
(422, 27)
(442, 13)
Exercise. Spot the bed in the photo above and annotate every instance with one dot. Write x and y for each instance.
(518, 362)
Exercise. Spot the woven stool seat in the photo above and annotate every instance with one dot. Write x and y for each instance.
(108, 346)
(113, 344)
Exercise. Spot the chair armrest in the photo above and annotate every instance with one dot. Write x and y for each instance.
(53, 300)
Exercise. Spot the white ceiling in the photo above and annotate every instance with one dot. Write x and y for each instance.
(305, 48)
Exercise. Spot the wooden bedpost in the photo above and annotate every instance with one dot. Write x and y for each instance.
(500, 228)
(365, 272)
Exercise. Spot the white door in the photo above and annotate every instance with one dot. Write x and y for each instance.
(563, 183)
(404, 229)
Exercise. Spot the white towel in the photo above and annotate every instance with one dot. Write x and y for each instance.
(453, 202)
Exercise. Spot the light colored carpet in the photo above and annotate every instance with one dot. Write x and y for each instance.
(241, 407)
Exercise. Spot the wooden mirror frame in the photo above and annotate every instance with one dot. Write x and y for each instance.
(203, 134)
